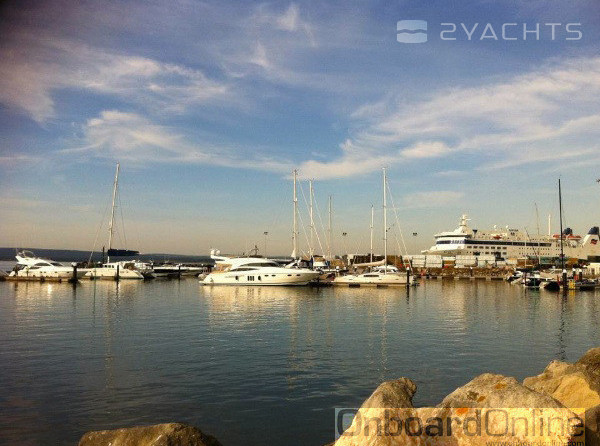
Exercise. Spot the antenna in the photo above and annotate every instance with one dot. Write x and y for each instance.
(537, 219)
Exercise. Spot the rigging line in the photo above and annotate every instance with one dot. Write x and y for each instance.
(311, 248)
(323, 229)
(122, 220)
(98, 232)
(307, 207)
(301, 221)
(397, 220)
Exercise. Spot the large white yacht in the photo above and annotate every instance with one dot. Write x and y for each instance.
(512, 243)
(255, 271)
(31, 266)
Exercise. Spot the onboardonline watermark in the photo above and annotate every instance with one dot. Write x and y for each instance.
(503, 426)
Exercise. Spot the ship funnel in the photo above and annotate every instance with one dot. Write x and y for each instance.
(594, 230)
(567, 231)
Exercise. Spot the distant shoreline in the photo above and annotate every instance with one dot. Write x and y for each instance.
(64, 255)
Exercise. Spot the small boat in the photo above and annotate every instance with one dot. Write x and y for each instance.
(255, 271)
(114, 271)
(31, 267)
(384, 275)
(375, 279)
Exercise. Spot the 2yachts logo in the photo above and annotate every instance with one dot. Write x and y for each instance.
(415, 31)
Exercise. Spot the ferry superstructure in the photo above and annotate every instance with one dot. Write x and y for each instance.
(507, 243)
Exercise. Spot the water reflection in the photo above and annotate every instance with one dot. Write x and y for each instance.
(104, 354)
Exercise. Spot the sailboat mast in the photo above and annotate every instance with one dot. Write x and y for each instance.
(384, 222)
(312, 220)
(562, 256)
(549, 224)
(295, 229)
(372, 217)
(329, 230)
(112, 215)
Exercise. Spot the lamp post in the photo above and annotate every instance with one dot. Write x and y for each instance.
(415, 242)
(344, 234)
(266, 233)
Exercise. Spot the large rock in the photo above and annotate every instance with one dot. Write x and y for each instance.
(489, 390)
(575, 385)
(169, 434)
(394, 394)
(475, 414)
(592, 426)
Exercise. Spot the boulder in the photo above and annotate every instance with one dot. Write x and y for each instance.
(592, 426)
(490, 409)
(575, 385)
(392, 394)
(168, 434)
(489, 390)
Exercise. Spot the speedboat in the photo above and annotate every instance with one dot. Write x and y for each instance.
(255, 271)
(31, 266)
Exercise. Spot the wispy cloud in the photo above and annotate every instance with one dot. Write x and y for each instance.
(28, 80)
(547, 115)
(432, 199)
(131, 137)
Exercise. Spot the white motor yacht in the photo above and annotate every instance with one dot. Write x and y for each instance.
(255, 271)
(31, 266)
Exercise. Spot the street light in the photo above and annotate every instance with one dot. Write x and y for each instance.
(415, 242)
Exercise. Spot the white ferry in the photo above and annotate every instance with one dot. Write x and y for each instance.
(508, 243)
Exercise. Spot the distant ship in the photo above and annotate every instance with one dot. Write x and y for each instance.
(506, 243)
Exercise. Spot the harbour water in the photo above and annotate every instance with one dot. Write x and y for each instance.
(260, 365)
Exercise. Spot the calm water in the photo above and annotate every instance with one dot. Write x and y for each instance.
(256, 366)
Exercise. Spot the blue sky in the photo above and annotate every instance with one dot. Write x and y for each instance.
(210, 105)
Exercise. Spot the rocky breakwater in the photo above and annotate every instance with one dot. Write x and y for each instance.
(561, 406)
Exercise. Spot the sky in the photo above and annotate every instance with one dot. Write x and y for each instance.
(209, 106)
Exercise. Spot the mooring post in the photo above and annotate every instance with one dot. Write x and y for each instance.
(179, 272)
(117, 276)
(74, 276)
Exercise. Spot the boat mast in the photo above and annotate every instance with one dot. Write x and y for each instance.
(329, 229)
(384, 222)
(112, 215)
(562, 256)
(549, 224)
(295, 233)
(312, 220)
(372, 217)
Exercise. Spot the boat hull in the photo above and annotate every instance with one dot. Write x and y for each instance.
(383, 280)
(111, 273)
(287, 279)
